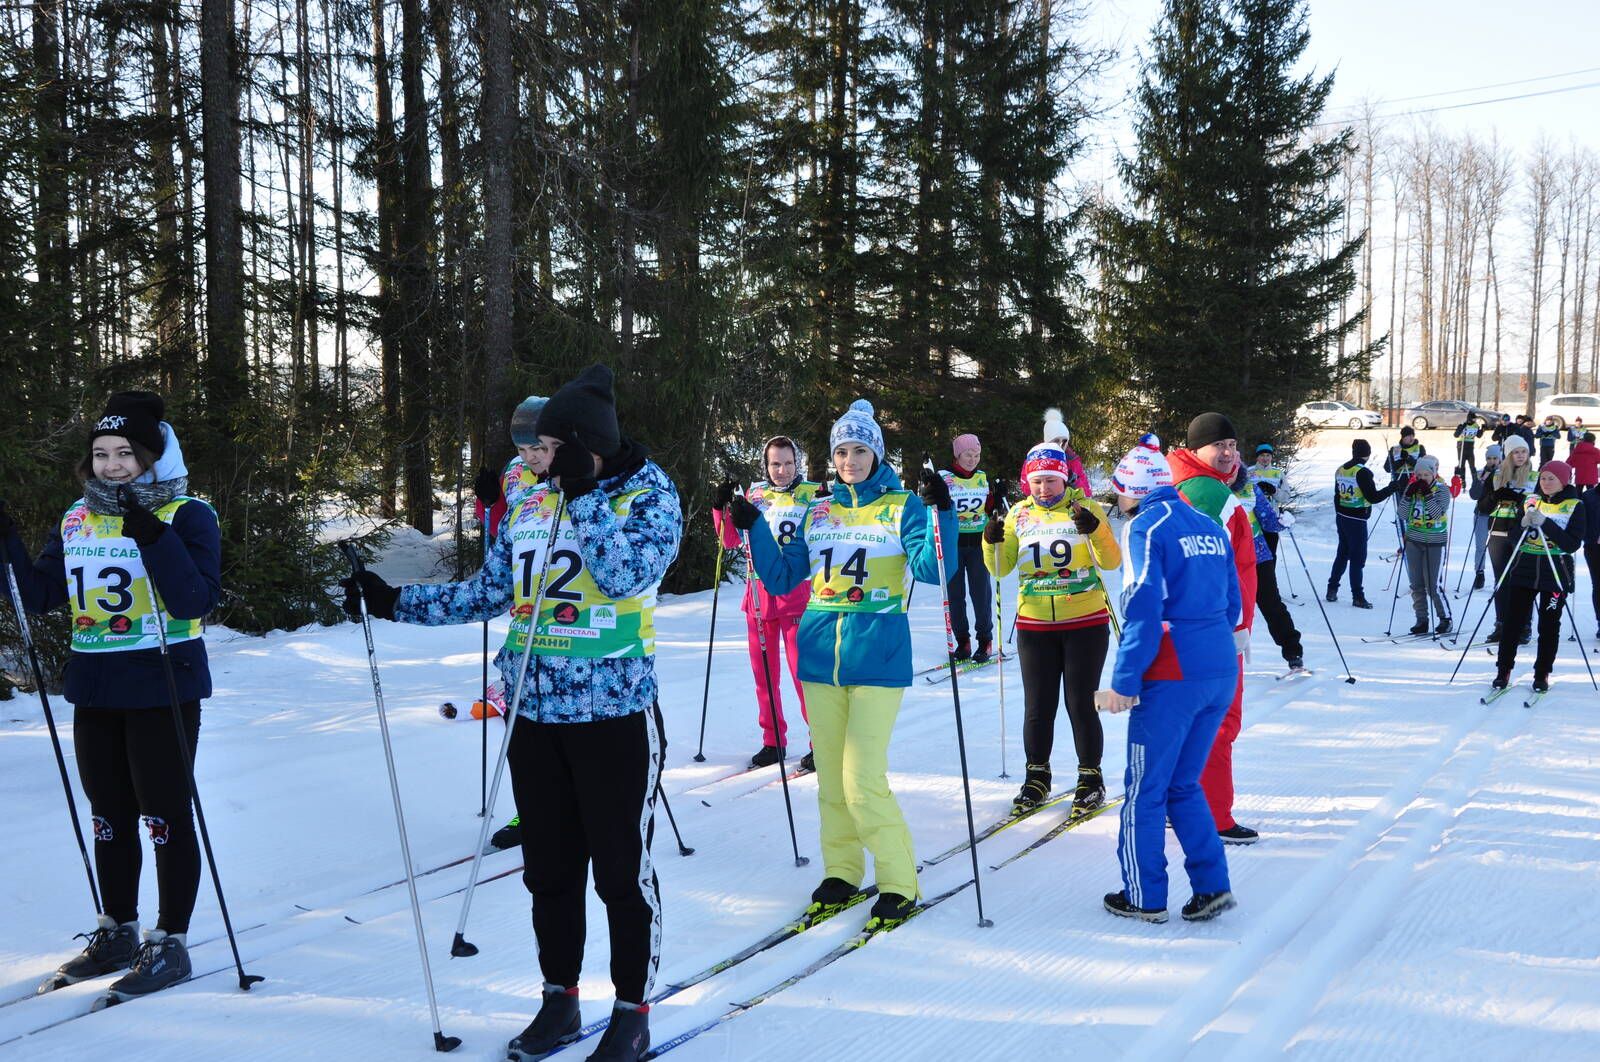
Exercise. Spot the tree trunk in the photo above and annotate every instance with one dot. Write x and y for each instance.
(415, 273)
(499, 119)
(386, 165)
(227, 382)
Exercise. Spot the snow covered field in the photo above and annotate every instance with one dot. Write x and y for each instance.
(1427, 885)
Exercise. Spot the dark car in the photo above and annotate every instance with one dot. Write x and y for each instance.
(1444, 413)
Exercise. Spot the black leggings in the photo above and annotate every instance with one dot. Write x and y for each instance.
(129, 764)
(586, 793)
(1051, 659)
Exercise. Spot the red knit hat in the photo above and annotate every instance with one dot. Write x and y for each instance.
(1559, 469)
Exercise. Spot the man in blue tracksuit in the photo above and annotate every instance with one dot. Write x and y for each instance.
(1176, 668)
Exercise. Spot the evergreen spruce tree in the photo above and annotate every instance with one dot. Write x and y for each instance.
(1216, 288)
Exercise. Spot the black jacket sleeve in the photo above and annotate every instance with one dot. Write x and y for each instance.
(186, 563)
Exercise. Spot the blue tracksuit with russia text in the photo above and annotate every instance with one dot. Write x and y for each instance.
(1180, 602)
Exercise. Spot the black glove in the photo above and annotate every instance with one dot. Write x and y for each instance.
(381, 597)
(139, 523)
(487, 487)
(1461, 472)
(935, 492)
(1508, 496)
(994, 532)
(1084, 520)
(7, 525)
(573, 465)
(1268, 489)
(743, 514)
(723, 495)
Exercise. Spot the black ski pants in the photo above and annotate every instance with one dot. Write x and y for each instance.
(1051, 660)
(1269, 603)
(130, 766)
(1352, 551)
(1591, 557)
(586, 795)
(1516, 612)
(971, 577)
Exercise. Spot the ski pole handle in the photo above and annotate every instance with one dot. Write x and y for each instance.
(352, 555)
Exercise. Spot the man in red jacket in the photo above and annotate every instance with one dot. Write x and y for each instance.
(1202, 472)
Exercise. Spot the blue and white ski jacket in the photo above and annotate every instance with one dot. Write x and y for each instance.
(1267, 522)
(1180, 596)
(625, 558)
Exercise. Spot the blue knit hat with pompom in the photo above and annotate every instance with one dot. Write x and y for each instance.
(858, 426)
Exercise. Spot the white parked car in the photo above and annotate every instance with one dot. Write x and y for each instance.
(1340, 415)
(1568, 408)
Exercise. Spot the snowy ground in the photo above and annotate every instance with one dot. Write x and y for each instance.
(1426, 886)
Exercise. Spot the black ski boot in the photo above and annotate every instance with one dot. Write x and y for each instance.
(829, 898)
(1502, 679)
(1527, 635)
(1091, 790)
(1494, 635)
(508, 836)
(1204, 906)
(963, 649)
(1541, 682)
(808, 762)
(161, 961)
(1119, 904)
(889, 910)
(985, 651)
(1420, 627)
(627, 1036)
(555, 1026)
(768, 755)
(1237, 834)
(1332, 596)
(1035, 789)
(1477, 580)
(1443, 627)
(1360, 601)
(111, 948)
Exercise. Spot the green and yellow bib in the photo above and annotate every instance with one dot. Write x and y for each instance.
(969, 495)
(517, 480)
(575, 617)
(1417, 518)
(1555, 512)
(783, 509)
(1348, 488)
(1047, 542)
(110, 591)
(1271, 476)
(858, 562)
(1507, 510)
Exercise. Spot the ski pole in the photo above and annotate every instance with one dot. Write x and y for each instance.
(483, 750)
(1348, 677)
(999, 621)
(1401, 564)
(711, 642)
(1493, 597)
(50, 721)
(460, 946)
(955, 693)
(661, 734)
(245, 980)
(772, 702)
(1566, 607)
(441, 1042)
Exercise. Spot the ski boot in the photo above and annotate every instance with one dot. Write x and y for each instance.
(161, 961)
(1477, 580)
(890, 910)
(1420, 627)
(111, 948)
(627, 1036)
(1035, 789)
(1296, 663)
(1204, 906)
(1237, 834)
(808, 762)
(963, 649)
(508, 836)
(1502, 679)
(768, 755)
(1332, 596)
(1494, 635)
(1091, 791)
(1360, 601)
(1541, 682)
(829, 898)
(985, 651)
(1119, 904)
(1443, 627)
(556, 1025)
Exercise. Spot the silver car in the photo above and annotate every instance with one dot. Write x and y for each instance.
(1332, 414)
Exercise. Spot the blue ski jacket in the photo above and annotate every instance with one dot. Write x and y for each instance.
(857, 648)
(1180, 596)
(626, 558)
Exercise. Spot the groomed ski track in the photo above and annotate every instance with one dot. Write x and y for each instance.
(1425, 886)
